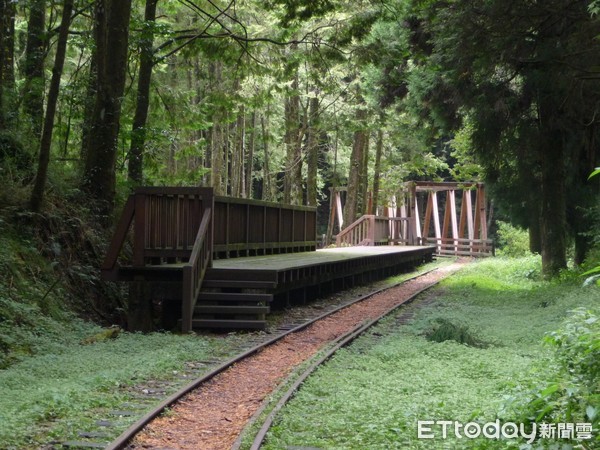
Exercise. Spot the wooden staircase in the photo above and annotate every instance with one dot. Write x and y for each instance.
(226, 303)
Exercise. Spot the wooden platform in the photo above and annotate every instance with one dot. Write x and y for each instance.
(240, 292)
(220, 262)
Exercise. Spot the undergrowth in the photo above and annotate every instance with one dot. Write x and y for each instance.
(371, 395)
(57, 377)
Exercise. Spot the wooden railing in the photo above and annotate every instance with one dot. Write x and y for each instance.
(375, 230)
(245, 227)
(194, 269)
(173, 229)
(165, 225)
(461, 246)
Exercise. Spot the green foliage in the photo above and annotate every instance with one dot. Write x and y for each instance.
(16, 163)
(66, 389)
(300, 10)
(466, 167)
(568, 387)
(594, 271)
(371, 394)
(443, 330)
(512, 241)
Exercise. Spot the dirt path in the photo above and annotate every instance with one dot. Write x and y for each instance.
(212, 417)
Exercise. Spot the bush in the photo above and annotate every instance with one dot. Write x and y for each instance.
(571, 391)
(444, 330)
(512, 241)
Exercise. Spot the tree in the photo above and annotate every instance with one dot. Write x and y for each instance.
(35, 52)
(138, 132)
(7, 59)
(37, 194)
(354, 197)
(520, 72)
(111, 36)
(294, 133)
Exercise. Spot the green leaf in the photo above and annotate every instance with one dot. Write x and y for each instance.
(591, 271)
(594, 173)
(549, 390)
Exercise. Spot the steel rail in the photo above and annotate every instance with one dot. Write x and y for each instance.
(121, 442)
(339, 342)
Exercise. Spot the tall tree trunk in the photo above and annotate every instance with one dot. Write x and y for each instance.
(364, 176)
(37, 194)
(33, 93)
(535, 238)
(237, 153)
(88, 111)
(138, 133)
(99, 177)
(267, 193)
(292, 181)
(216, 156)
(553, 198)
(250, 156)
(352, 206)
(377, 169)
(312, 152)
(7, 61)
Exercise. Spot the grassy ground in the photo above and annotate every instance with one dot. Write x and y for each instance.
(57, 395)
(60, 374)
(371, 395)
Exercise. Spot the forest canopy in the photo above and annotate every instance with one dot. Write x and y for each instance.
(284, 99)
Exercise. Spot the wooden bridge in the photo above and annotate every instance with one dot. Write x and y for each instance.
(220, 262)
(461, 232)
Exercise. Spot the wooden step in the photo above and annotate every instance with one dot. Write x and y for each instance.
(229, 324)
(233, 297)
(231, 309)
(241, 284)
(241, 274)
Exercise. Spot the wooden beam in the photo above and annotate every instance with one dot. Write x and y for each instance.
(468, 206)
(340, 212)
(482, 211)
(447, 219)
(452, 200)
(428, 212)
(416, 218)
(436, 217)
(139, 233)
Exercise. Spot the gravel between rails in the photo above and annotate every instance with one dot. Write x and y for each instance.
(212, 417)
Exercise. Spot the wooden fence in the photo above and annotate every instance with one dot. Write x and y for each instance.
(171, 227)
(245, 227)
(376, 230)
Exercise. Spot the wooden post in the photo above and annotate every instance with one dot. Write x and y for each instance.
(187, 301)
(436, 221)
(482, 211)
(447, 218)
(340, 212)
(331, 222)
(372, 233)
(139, 307)
(417, 221)
(452, 198)
(139, 234)
(427, 220)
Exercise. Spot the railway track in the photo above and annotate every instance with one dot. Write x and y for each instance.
(212, 411)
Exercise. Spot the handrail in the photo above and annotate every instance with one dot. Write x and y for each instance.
(120, 235)
(350, 232)
(194, 269)
(373, 230)
(461, 246)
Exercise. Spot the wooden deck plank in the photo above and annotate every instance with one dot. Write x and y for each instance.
(307, 259)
